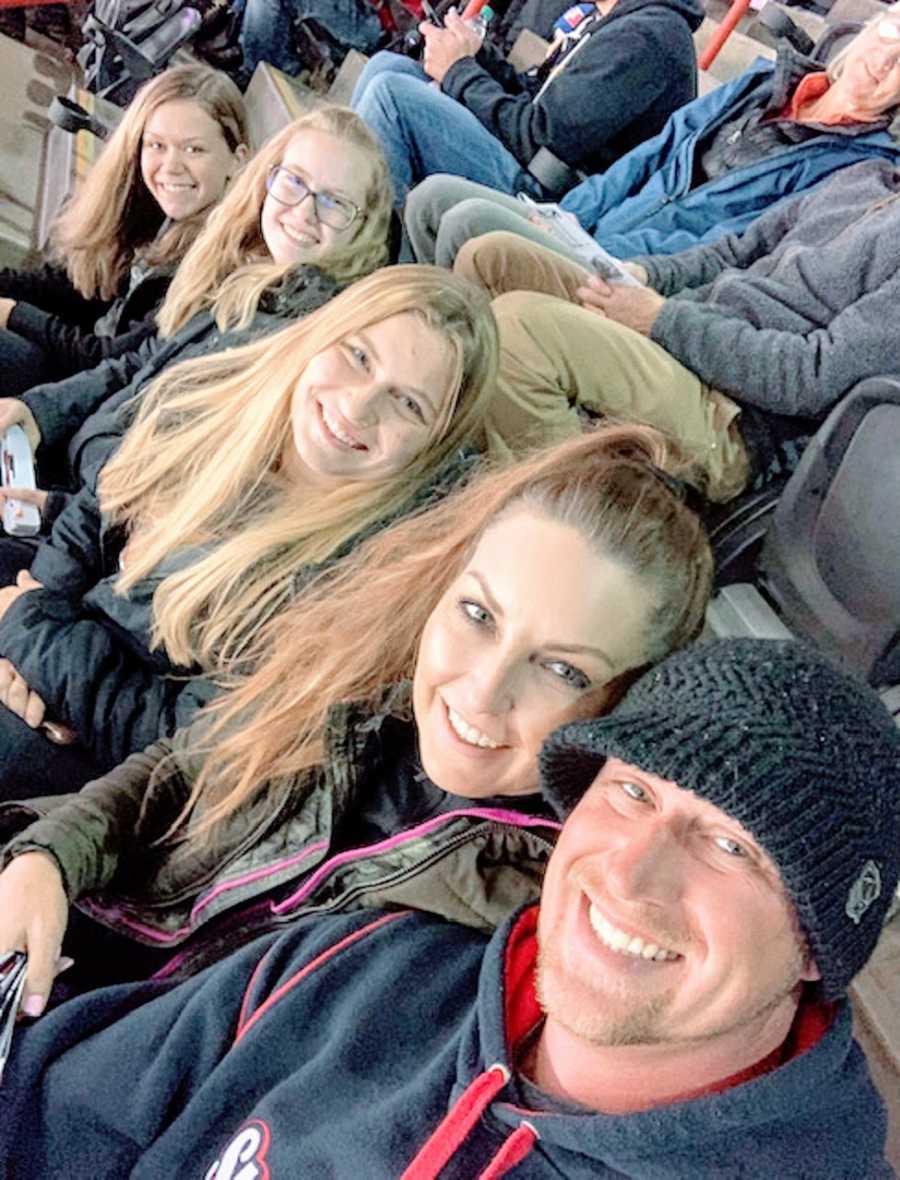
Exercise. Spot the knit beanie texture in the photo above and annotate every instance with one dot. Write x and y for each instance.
(805, 757)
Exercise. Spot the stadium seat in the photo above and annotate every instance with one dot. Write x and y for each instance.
(829, 567)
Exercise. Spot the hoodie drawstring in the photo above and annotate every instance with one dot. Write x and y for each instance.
(450, 1134)
(512, 1152)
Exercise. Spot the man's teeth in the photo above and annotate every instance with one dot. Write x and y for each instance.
(627, 944)
(339, 434)
(469, 734)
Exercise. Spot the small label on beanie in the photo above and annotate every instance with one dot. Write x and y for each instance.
(864, 891)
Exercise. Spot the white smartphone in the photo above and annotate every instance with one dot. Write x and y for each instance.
(567, 230)
(17, 471)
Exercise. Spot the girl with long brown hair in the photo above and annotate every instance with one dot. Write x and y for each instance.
(118, 240)
(383, 749)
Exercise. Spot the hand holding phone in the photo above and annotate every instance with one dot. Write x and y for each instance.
(20, 519)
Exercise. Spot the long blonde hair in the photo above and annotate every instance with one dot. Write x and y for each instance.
(229, 266)
(112, 215)
(356, 632)
(195, 469)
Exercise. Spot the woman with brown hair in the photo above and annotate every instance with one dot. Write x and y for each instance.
(384, 748)
(117, 242)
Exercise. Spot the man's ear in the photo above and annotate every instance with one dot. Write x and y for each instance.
(242, 153)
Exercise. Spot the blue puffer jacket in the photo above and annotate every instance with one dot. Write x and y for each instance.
(644, 203)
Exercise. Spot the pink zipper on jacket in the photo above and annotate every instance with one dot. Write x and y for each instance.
(491, 814)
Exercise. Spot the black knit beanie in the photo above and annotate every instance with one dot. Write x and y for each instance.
(806, 758)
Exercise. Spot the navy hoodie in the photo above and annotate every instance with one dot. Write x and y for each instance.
(378, 1046)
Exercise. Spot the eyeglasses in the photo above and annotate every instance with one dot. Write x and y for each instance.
(288, 189)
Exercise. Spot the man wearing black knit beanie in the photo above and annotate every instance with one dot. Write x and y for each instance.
(673, 1009)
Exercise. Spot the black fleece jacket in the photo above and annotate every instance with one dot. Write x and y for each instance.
(52, 314)
(607, 89)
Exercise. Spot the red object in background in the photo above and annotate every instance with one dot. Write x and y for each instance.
(475, 6)
(722, 33)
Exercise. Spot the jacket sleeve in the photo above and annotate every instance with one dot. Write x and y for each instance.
(60, 407)
(782, 372)
(669, 274)
(595, 197)
(89, 675)
(48, 287)
(88, 833)
(72, 346)
(588, 103)
(70, 559)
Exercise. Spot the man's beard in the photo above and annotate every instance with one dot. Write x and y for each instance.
(612, 1018)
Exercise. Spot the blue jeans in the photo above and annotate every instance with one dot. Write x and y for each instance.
(267, 29)
(424, 131)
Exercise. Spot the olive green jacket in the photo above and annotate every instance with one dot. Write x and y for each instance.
(473, 866)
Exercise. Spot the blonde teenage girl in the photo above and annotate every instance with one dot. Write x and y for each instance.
(116, 243)
(244, 471)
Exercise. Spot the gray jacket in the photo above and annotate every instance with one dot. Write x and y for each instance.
(801, 306)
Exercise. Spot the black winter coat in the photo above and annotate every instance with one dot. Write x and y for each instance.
(52, 314)
(608, 89)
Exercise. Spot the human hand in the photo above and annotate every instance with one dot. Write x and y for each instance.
(24, 496)
(445, 47)
(15, 413)
(18, 697)
(634, 307)
(636, 271)
(6, 306)
(34, 911)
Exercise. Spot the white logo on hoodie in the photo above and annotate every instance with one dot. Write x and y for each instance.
(245, 1156)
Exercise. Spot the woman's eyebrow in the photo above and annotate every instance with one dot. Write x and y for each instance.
(551, 645)
(412, 389)
(296, 170)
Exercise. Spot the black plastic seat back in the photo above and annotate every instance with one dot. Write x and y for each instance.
(831, 558)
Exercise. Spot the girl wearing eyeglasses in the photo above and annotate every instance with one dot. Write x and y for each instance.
(309, 213)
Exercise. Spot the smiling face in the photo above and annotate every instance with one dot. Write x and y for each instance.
(525, 639)
(294, 233)
(662, 920)
(185, 160)
(366, 407)
(870, 78)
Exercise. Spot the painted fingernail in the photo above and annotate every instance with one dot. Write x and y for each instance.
(34, 1005)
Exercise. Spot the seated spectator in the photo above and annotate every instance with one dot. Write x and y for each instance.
(116, 244)
(462, 637)
(606, 87)
(267, 30)
(675, 1006)
(737, 349)
(243, 474)
(309, 214)
(775, 131)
